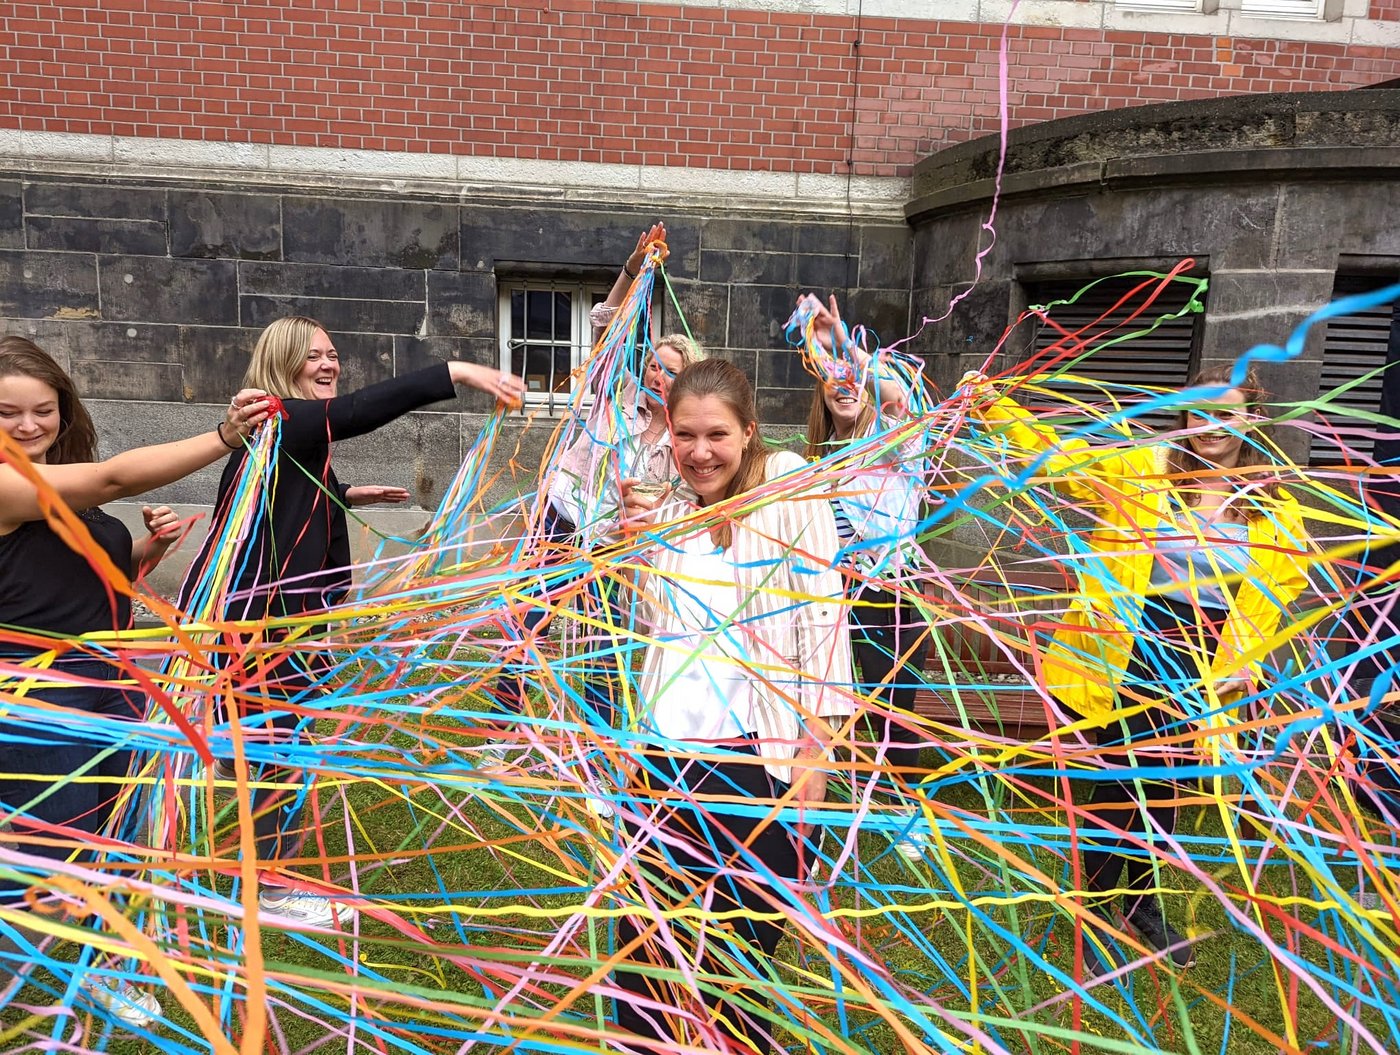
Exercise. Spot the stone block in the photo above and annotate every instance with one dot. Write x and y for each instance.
(782, 369)
(461, 304)
(148, 289)
(886, 257)
(757, 315)
(885, 312)
(832, 239)
(337, 315)
(706, 310)
(1266, 291)
(779, 407)
(48, 285)
(118, 342)
(745, 267)
(825, 274)
(243, 226)
(754, 236)
(595, 241)
(80, 234)
(974, 327)
(11, 215)
(128, 380)
(330, 280)
(406, 234)
(1319, 221)
(94, 200)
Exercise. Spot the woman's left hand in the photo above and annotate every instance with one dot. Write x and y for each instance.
(162, 524)
(371, 494)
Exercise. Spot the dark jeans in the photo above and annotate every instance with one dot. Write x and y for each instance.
(1173, 648)
(35, 797)
(713, 841)
(890, 642)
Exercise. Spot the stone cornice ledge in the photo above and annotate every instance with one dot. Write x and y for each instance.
(371, 171)
(1197, 167)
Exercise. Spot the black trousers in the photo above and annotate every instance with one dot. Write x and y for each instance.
(890, 642)
(35, 797)
(1176, 644)
(735, 952)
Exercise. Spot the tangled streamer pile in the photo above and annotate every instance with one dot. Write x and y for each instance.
(491, 820)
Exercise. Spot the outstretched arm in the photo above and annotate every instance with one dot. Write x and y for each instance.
(85, 484)
(318, 421)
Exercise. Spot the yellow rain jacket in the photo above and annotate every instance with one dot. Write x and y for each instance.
(1130, 496)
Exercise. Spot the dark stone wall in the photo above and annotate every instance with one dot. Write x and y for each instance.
(153, 292)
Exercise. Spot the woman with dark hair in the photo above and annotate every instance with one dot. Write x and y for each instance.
(298, 558)
(1194, 555)
(50, 595)
(877, 503)
(748, 658)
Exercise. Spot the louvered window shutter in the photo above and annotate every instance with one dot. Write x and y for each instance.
(1353, 346)
(1131, 369)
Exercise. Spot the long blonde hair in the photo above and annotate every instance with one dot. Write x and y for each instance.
(727, 383)
(280, 355)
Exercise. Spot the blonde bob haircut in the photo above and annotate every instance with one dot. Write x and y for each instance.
(280, 355)
(686, 347)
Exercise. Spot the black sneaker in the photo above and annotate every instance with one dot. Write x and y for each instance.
(1156, 933)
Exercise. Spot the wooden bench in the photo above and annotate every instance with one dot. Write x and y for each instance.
(983, 648)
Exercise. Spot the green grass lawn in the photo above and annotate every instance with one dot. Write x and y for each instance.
(492, 878)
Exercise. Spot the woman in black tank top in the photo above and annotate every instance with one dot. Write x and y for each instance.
(51, 594)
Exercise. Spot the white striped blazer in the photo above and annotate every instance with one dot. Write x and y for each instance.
(790, 587)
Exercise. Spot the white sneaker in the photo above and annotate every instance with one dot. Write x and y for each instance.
(311, 910)
(600, 807)
(499, 758)
(132, 1008)
(911, 845)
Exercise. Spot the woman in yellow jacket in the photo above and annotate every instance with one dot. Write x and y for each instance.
(1191, 559)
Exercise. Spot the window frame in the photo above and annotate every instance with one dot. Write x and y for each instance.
(1189, 7)
(583, 294)
(1303, 10)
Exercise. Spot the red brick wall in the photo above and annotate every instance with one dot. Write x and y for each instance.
(1385, 10)
(590, 80)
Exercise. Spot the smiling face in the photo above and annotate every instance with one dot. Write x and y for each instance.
(662, 365)
(29, 414)
(845, 404)
(708, 440)
(1217, 431)
(320, 374)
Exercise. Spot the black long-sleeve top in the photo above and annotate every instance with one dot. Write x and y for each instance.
(298, 558)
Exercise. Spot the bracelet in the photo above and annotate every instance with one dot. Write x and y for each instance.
(219, 429)
(629, 272)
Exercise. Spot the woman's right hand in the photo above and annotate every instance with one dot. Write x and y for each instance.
(248, 409)
(506, 388)
(639, 503)
(639, 255)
